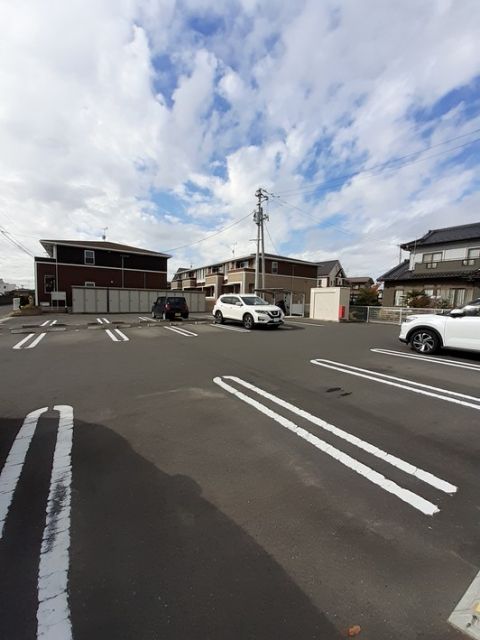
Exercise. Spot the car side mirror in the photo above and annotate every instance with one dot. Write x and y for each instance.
(457, 313)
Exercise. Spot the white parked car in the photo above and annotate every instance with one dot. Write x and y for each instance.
(247, 309)
(460, 329)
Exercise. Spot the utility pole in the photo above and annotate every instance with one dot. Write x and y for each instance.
(259, 217)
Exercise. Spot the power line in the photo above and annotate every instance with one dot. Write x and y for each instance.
(396, 163)
(283, 203)
(212, 235)
(8, 236)
(271, 240)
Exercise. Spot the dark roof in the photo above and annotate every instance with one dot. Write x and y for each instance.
(402, 272)
(324, 268)
(447, 234)
(99, 244)
(359, 279)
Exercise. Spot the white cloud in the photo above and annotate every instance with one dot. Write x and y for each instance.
(90, 125)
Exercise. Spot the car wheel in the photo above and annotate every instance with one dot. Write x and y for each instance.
(424, 341)
(248, 321)
(185, 316)
(218, 317)
(153, 315)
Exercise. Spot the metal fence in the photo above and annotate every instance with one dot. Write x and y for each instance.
(388, 315)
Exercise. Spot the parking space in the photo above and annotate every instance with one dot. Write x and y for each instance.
(229, 483)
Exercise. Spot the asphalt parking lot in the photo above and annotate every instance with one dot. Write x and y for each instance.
(193, 481)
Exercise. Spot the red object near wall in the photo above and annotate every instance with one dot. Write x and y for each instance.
(341, 312)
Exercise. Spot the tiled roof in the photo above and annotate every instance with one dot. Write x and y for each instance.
(447, 234)
(101, 244)
(324, 268)
(401, 272)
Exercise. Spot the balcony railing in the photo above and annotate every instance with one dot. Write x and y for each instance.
(439, 266)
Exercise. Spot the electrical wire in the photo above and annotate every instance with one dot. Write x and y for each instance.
(212, 235)
(271, 240)
(396, 163)
(8, 236)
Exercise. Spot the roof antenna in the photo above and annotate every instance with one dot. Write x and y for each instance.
(104, 234)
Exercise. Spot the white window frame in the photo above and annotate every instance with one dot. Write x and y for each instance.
(89, 283)
(275, 266)
(428, 258)
(85, 260)
(398, 297)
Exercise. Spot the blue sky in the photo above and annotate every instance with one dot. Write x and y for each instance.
(159, 119)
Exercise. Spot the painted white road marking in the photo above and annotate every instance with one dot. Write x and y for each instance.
(402, 383)
(408, 468)
(438, 360)
(99, 320)
(20, 344)
(106, 321)
(53, 613)
(222, 326)
(44, 324)
(122, 335)
(182, 332)
(118, 336)
(310, 324)
(54, 322)
(14, 464)
(146, 319)
(414, 500)
(34, 343)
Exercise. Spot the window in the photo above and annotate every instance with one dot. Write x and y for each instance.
(89, 283)
(456, 297)
(242, 264)
(48, 284)
(399, 296)
(89, 257)
(274, 267)
(429, 292)
(473, 253)
(432, 257)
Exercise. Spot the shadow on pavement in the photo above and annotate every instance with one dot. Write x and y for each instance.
(152, 559)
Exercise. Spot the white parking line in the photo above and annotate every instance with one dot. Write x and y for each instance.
(439, 360)
(144, 318)
(99, 320)
(310, 324)
(122, 335)
(115, 336)
(44, 324)
(53, 613)
(14, 464)
(53, 322)
(36, 341)
(106, 321)
(20, 344)
(182, 332)
(414, 500)
(222, 326)
(408, 468)
(402, 383)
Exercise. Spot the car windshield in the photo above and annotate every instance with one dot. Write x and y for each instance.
(253, 301)
(176, 300)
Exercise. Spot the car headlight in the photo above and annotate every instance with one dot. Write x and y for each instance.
(410, 319)
(263, 313)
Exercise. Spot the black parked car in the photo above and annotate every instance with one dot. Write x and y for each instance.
(170, 306)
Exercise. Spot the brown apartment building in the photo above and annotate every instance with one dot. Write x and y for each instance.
(96, 264)
(286, 278)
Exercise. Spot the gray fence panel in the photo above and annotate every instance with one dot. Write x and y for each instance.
(106, 300)
(124, 301)
(114, 301)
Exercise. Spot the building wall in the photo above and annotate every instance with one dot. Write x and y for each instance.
(106, 258)
(70, 275)
(472, 290)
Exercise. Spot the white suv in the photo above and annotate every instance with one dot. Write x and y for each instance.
(460, 329)
(248, 309)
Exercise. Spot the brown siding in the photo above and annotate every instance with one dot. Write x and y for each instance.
(105, 258)
(71, 275)
(291, 268)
